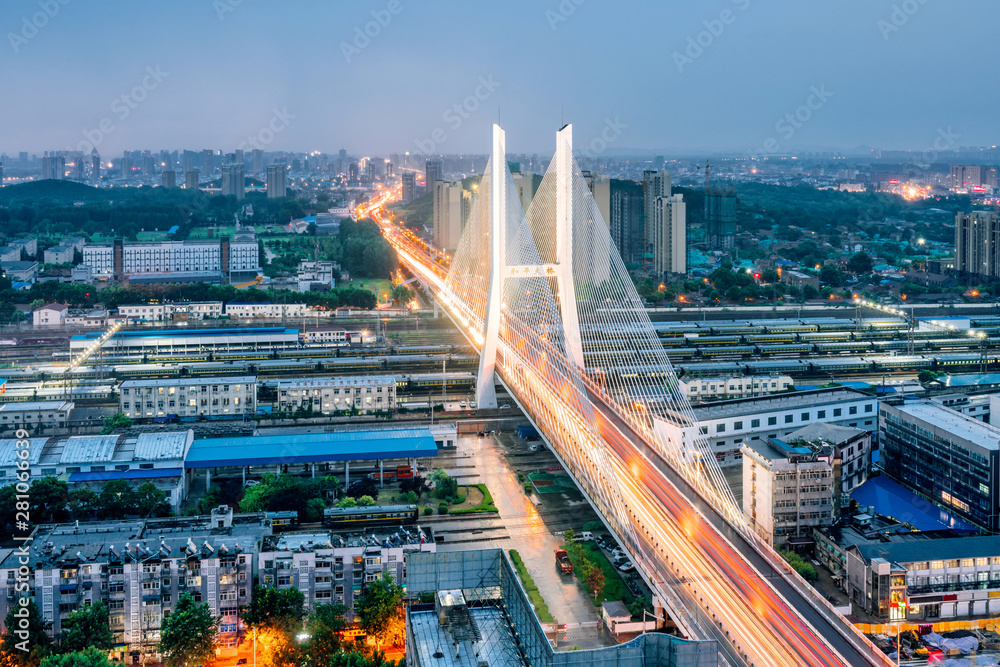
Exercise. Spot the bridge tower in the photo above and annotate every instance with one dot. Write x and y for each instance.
(486, 393)
(564, 246)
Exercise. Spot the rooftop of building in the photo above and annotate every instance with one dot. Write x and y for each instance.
(955, 423)
(134, 540)
(831, 433)
(36, 406)
(973, 380)
(18, 266)
(189, 333)
(311, 447)
(53, 306)
(188, 381)
(772, 402)
(909, 551)
(320, 383)
(775, 449)
(377, 536)
(892, 500)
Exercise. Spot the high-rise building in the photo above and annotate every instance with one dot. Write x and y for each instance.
(977, 244)
(166, 161)
(126, 166)
(621, 205)
(148, 165)
(966, 177)
(207, 162)
(95, 164)
(720, 217)
(191, 180)
(388, 169)
(668, 229)
(258, 161)
(353, 172)
(654, 184)
(342, 161)
(240, 158)
(276, 180)
(527, 185)
(452, 205)
(53, 167)
(232, 180)
(433, 171)
(409, 186)
(168, 178)
(1, 174)
(46, 168)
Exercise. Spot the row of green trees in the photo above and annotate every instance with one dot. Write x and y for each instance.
(51, 501)
(283, 632)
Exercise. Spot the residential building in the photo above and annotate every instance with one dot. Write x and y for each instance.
(951, 458)
(276, 184)
(226, 258)
(433, 172)
(720, 217)
(977, 244)
(245, 310)
(147, 312)
(257, 158)
(191, 180)
(362, 394)
(49, 315)
(190, 397)
(527, 185)
(20, 272)
(332, 568)
(35, 416)
(452, 207)
(655, 184)
(788, 488)
(409, 187)
(28, 245)
(199, 310)
(168, 179)
(799, 278)
(926, 579)
(10, 254)
(852, 450)
(621, 205)
(729, 423)
(738, 386)
(233, 183)
(139, 569)
(60, 254)
(668, 230)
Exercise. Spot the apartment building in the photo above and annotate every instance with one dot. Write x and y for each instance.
(926, 579)
(228, 258)
(787, 488)
(35, 415)
(333, 568)
(364, 394)
(729, 423)
(242, 310)
(148, 312)
(944, 455)
(734, 386)
(60, 254)
(852, 448)
(139, 569)
(190, 397)
(49, 315)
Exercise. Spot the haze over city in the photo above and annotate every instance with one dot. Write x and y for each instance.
(680, 77)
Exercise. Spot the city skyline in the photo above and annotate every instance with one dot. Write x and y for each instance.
(727, 76)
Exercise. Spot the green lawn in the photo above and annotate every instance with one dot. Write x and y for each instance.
(485, 506)
(378, 285)
(541, 609)
(211, 232)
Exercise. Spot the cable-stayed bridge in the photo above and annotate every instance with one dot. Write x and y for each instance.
(544, 297)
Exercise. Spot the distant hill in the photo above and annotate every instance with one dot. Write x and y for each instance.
(66, 191)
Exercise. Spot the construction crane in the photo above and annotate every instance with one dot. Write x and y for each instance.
(250, 283)
(92, 349)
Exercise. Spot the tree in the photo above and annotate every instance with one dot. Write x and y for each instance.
(416, 484)
(365, 486)
(324, 626)
(115, 421)
(595, 580)
(926, 376)
(831, 275)
(35, 646)
(188, 635)
(86, 657)
(859, 263)
(356, 659)
(402, 295)
(282, 611)
(48, 497)
(366, 501)
(87, 628)
(378, 607)
(116, 499)
(445, 486)
(809, 292)
(347, 502)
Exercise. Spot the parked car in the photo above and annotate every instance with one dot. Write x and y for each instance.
(627, 566)
(462, 405)
(505, 406)
(251, 483)
(472, 404)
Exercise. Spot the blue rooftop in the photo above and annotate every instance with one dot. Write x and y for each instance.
(897, 502)
(177, 333)
(174, 229)
(152, 473)
(311, 447)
